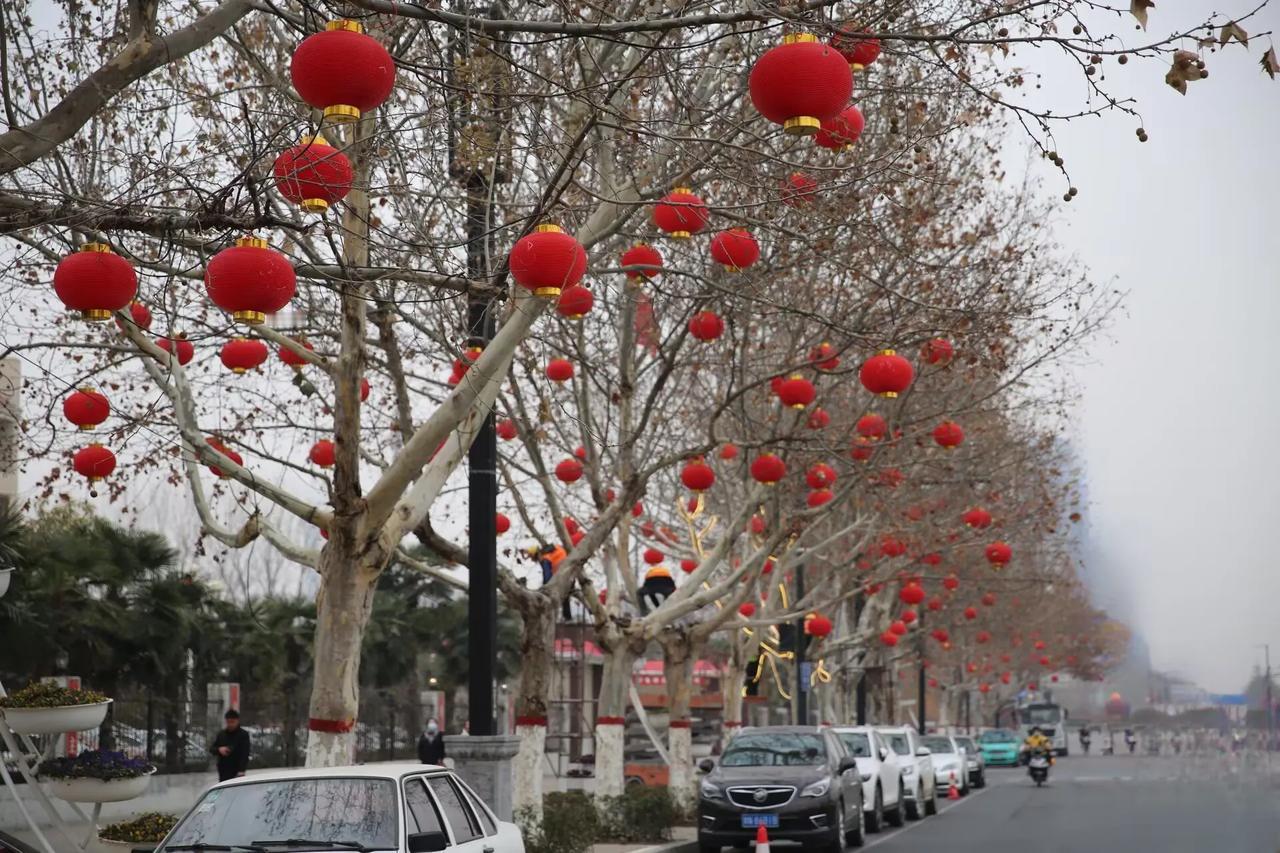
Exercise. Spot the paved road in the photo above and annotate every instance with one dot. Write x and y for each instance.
(1105, 805)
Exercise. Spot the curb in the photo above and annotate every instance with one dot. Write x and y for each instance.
(673, 847)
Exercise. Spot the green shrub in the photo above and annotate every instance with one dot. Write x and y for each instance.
(569, 824)
(47, 694)
(145, 829)
(642, 814)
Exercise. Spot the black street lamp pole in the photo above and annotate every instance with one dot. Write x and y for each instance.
(920, 681)
(802, 688)
(860, 694)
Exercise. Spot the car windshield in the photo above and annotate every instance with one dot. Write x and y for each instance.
(900, 744)
(1000, 736)
(356, 811)
(1039, 715)
(939, 744)
(965, 743)
(774, 749)
(858, 744)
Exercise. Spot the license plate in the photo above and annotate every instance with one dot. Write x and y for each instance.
(751, 821)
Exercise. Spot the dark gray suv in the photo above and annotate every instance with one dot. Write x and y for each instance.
(796, 781)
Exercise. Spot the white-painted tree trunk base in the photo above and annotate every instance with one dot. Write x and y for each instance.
(609, 764)
(680, 744)
(527, 772)
(327, 749)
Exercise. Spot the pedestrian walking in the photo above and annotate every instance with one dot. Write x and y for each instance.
(231, 747)
(431, 744)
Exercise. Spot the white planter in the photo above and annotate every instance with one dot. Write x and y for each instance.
(55, 721)
(103, 845)
(5, 575)
(98, 790)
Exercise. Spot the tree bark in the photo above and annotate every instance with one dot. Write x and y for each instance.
(537, 645)
(678, 658)
(619, 656)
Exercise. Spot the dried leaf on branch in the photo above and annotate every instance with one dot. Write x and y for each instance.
(1186, 68)
(1138, 8)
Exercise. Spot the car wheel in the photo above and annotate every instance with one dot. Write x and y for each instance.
(875, 820)
(704, 847)
(915, 808)
(931, 807)
(897, 815)
(836, 843)
(857, 836)
(982, 779)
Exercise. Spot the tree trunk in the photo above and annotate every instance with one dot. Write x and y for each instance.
(611, 722)
(343, 605)
(735, 675)
(537, 643)
(677, 656)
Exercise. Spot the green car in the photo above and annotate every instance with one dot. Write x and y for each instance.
(999, 746)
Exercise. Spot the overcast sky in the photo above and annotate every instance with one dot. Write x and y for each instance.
(1179, 423)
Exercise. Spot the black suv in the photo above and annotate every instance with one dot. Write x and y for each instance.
(796, 781)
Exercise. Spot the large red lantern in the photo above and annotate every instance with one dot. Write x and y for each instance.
(820, 476)
(242, 354)
(872, 426)
(294, 360)
(653, 557)
(999, 554)
(222, 449)
(824, 357)
(95, 281)
(898, 627)
(800, 83)
(768, 469)
(862, 449)
(948, 435)
(642, 261)
(819, 497)
(250, 280)
(912, 594)
(139, 314)
(889, 639)
(817, 625)
(94, 462)
(799, 190)
(706, 326)
(976, 517)
(323, 453)
(575, 302)
(179, 345)
(681, 214)
(796, 392)
(547, 261)
(560, 370)
(342, 71)
(697, 476)
(569, 471)
(937, 351)
(886, 373)
(313, 174)
(735, 249)
(841, 132)
(859, 49)
(86, 408)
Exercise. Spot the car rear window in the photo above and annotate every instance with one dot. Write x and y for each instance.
(858, 744)
(939, 744)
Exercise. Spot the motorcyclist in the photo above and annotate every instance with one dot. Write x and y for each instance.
(1131, 740)
(1084, 739)
(1037, 742)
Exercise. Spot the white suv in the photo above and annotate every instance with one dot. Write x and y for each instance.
(917, 769)
(883, 792)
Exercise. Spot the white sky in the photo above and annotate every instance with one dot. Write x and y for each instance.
(1180, 417)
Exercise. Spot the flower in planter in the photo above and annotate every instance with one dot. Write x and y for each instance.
(96, 764)
(47, 694)
(144, 829)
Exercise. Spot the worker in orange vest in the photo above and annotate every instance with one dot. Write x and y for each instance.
(549, 558)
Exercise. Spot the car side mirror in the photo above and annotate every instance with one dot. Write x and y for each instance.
(428, 842)
(848, 763)
(706, 765)
(884, 754)
(923, 751)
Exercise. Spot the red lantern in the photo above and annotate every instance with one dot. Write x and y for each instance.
(984, 688)
(841, 131)
(681, 214)
(768, 469)
(222, 449)
(250, 280)
(95, 281)
(948, 435)
(501, 523)
(1044, 661)
(364, 389)
(818, 497)
(824, 357)
(911, 593)
(819, 419)
(294, 360)
(653, 556)
(747, 610)
(941, 635)
(242, 355)
(688, 566)
(1039, 645)
(560, 370)
(988, 599)
(507, 429)
(983, 637)
(977, 517)
(951, 582)
(758, 526)
(817, 625)
(323, 453)
(796, 392)
(706, 326)
(569, 471)
(697, 476)
(935, 604)
(735, 249)
(643, 261)
(799, 190)
(637, 509)
(86, 408)
(342, 71)
(971, 613)
(891, 547)
(313, 174)
(932, 559)
(887, 374)
(575, 302)
(889, 639)
(898, 627)
(937, 351)
(1005, 677)
(94, 462)
(184, 349)
(570, 524)
(858, 49)
(820, 476)
(139, 314)
(999, 554)
(577, 536)
(909, 616)
(547, 261)
(862, 449)
(729, 452)
(872, 426)
(800, 83)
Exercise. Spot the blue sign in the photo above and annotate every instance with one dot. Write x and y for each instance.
(806, 675)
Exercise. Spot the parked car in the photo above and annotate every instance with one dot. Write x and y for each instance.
(883, 799)
(948, 762)
(975, 764)
(999, 747)
(399, 807)
(9, 844)
(918, 776)
(799, 782)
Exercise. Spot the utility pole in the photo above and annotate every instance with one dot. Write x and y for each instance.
(860, 694)
(1271, 708)
(802, 677)
(920, 679)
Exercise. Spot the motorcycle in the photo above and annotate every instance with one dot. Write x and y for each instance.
(1084, 742)
(1038, 768)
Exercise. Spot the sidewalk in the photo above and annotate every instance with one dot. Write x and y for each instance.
(681, 837)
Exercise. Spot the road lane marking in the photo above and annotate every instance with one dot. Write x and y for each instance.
(973, 795)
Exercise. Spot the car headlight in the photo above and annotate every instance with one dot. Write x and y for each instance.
(972, 762)
(909, 770)
(817, 789)
(710, 791)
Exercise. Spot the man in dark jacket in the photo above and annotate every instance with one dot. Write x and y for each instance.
(232, 748)
(431, 745)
